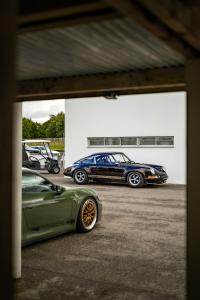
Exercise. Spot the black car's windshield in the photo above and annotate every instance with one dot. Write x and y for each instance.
(121, 158)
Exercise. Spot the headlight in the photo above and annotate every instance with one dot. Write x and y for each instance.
(152, 171)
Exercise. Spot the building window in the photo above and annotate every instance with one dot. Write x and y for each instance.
(128, 141)
(96, 141)
(165, 140)
(113, 141)
(133, 141)
(147, 141)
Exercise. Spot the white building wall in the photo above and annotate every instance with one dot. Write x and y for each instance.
(162, 114)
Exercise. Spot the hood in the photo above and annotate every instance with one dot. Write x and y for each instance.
(157, 167)
(75, 189)
(144, 165)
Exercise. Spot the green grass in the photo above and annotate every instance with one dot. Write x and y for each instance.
(57, 146)
(54, 146)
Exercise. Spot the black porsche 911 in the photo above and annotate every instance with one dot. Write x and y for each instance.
(115, 166)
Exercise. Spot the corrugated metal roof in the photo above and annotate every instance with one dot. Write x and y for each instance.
(110, 46)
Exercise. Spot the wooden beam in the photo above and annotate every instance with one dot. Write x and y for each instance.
(182, 19)
(148, 81)
(61, 14)
(148, 21)
(67, 21)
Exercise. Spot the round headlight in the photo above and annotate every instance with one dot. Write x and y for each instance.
(152, 170)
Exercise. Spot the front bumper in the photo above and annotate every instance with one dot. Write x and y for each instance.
(158, 178)
(68, 172)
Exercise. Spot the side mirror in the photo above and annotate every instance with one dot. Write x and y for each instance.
(58, 189)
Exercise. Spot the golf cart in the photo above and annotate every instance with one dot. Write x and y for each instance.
(34, 158)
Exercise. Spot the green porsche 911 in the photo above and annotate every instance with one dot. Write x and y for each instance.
(49, 210)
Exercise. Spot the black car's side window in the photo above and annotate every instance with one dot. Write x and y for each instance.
(89, 160)
(33, 183)
(111, 159)
(103, 160)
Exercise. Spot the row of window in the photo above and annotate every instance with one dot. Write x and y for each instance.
(133, 141)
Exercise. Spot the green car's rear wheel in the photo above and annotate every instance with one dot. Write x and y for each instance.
(87, 216)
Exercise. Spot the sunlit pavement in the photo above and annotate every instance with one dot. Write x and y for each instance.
(137, 252)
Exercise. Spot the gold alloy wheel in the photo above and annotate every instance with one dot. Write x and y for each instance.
(89, 214)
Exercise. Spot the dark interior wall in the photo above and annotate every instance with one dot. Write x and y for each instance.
(7, 96)
(193, 189)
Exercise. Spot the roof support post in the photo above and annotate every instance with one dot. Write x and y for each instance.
(193, 167)
(17, 194)
(7, 96)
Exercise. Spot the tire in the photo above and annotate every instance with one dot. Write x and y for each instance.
(135, 179)
(80, 176)
(55, 170)
(87, 216)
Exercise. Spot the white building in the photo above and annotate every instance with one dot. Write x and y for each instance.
(149, 128)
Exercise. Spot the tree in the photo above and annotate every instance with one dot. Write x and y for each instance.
(53, 128)
(30, 129)
(60, 124)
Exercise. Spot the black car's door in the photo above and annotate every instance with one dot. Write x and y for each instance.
(117, 168)
(106, 167)
(101, 167)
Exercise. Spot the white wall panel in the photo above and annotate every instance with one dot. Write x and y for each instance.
(161, 114)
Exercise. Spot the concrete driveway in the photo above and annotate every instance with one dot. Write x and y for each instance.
(137, 252)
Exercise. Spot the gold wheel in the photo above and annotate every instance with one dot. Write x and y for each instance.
(89, 214)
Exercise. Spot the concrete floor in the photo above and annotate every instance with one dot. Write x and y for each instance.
(137, 252)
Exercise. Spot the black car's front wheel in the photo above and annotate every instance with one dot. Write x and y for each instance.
(135, 179)
(87, 216)
(80, 176)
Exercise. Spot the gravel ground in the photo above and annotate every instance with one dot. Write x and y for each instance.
(136, 252)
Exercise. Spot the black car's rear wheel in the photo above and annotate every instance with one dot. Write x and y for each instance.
(80, 176)
(87, 216)
(135, 179)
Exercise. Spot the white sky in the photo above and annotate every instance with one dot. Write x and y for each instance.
(39, 111)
